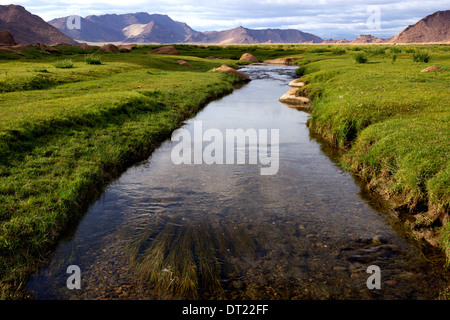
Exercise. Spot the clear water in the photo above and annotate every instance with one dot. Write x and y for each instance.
(163, 231)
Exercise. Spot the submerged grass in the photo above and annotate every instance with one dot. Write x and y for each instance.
(185, 260)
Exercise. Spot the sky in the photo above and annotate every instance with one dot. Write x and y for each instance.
(334, 19)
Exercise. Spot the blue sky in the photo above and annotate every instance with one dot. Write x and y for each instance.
(326, 18)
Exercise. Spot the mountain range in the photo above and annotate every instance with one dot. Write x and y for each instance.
(142, 27)
(17, 25)
(136, 27)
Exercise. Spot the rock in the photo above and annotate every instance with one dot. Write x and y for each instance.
(108, 48)
(52, 50)
(225, 68)
(165, 50)
(86, 47)
(126, 47)
(18, 47)
(291, 98)
(184, 63)
(296, 83)
(248, 57)
(367, 38)
(6, 38)
(430, 68)
(286, 61)
(7, 50)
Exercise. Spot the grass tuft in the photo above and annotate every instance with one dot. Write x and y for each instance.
(93, 59)
(360, 58)
(421, 56)
(63, 64)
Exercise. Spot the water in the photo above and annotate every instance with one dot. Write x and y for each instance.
(163, 231)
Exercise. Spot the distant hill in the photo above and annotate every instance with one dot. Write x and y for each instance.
(136, 27)
(142, 27)
(363, 38)
(28, 28)
(243, 35)
(432, 28)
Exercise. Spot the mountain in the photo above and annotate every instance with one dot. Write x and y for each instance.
(433, 28)
(28, 28)
(243, 35)
(367, 38)
(136, 27)
(142, 27)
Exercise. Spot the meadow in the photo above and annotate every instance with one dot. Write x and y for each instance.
(65, 132)
(72, 122)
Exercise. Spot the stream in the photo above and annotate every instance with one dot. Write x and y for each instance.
(226, 231)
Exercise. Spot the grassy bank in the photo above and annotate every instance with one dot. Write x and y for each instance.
(392, 122)
(66, 131)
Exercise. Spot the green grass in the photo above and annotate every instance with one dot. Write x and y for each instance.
(66, 133)
(421, 56)
(360, 58)
(64, 64)
(393, 123)
(93, 59)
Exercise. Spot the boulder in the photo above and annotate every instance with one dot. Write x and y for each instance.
(296, 83)
(165, 50)
(286, 61)
(86, 47)
(18, 47)
(8, 50)
(291, 98)
(184, 63)
(225, 68)
(108, 48)
(126, 47)
(6, 38)
(248, 57)
(63, 44)
(52, 50)
(430, 68)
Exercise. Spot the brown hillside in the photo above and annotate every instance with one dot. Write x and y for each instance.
(432, 28)
(363, 38)
(28, 28)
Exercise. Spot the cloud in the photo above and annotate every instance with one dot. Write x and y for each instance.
(325, 18)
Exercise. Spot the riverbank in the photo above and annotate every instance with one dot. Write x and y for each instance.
(392, 123)
(65, 133)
